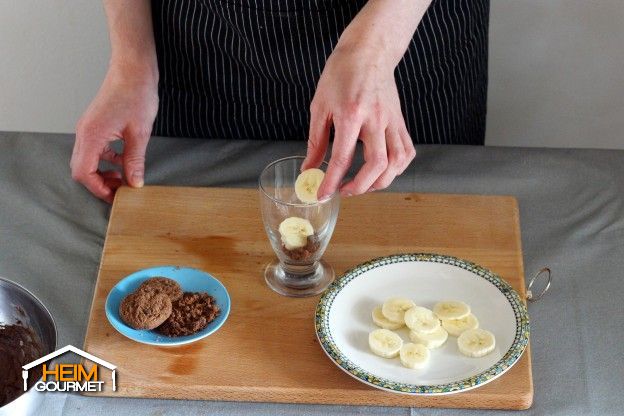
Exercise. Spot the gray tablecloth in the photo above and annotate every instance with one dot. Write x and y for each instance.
(572, 216)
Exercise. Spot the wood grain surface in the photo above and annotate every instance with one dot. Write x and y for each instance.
(267, 350)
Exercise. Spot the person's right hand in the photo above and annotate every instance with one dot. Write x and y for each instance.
(124, 109)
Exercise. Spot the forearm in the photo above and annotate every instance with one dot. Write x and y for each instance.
(386, 27)
(133, 52)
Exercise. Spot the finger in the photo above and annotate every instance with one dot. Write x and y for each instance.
(408, 145)
(111, 174)
(376, 162)
(94, 184)
(113, 184)
(347, 132)
(111, 156)
(134, 155)
(396, 159)
(84, 169)
(318, 139)
(75, 152)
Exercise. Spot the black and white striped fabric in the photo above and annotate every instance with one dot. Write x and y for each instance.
(248, 68)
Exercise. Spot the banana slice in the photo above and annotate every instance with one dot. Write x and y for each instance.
(414, 355)
(394, 309)
(383, 322)
(476, 342)
(385, 343)
(295, 232)
(421, 320)
(433, 340)
(451, 309)
(455, 327)
(307, 185)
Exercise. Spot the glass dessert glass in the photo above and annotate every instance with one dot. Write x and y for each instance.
(298, 270)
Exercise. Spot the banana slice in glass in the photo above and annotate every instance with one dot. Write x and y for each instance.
(307, 185)
(295, 232)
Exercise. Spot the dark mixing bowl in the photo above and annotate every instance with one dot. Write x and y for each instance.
(18, 305)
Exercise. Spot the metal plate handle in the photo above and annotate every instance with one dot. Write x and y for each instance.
(548, 276)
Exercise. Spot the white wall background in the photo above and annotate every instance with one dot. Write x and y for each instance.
(556, 73)
(556, 69)
(53, 56)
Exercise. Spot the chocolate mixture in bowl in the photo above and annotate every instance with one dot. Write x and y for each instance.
(18, 346)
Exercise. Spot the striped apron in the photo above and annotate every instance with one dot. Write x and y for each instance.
(248, 69)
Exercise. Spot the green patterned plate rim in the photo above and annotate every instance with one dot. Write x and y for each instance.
(513, 354)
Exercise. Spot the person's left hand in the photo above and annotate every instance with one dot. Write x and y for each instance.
(357, 93)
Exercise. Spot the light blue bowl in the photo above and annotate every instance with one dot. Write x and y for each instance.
(191, 280)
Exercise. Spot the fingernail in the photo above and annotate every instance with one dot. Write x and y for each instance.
(346, 193)
(371, 189)
(137, 179)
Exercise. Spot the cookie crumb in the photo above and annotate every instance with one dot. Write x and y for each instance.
(190, 314)
(303, 253)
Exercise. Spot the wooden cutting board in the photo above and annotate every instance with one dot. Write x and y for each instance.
(267, 350)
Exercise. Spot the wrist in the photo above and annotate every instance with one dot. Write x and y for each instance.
(373, 45)
(384, 28)
(370, 50)
(136, 70)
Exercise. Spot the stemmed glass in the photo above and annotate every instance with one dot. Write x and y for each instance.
(297, 271)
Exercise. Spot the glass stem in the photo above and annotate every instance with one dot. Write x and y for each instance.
(299, 271)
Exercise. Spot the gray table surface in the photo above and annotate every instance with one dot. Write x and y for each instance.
(572, 219)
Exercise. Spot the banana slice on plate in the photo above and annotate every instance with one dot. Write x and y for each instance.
(394, 308)
(476, 342)
(414, 355)
(433, 340)
(451, 309)
(421, 320)
(455, 327)
(381, 321)
(385, 343)
(295, 232)
(307, 185)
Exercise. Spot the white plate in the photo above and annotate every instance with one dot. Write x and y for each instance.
(343, 322)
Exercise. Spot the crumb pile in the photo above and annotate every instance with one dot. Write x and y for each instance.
(303, 253)
(191, 313)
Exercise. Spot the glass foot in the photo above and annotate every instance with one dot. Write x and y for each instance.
(298, 285)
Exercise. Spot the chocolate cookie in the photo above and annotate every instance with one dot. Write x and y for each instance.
(163, 285)
(145, 309)
(192, 313)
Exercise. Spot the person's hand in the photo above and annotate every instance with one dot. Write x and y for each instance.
(124, 109)
(357, 93)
